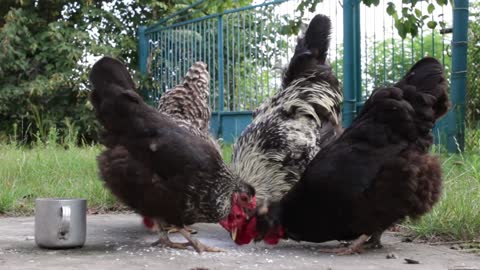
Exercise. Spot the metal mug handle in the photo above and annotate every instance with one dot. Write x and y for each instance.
(65, 213)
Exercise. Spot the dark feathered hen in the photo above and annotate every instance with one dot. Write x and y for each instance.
(290, 128)
(187, 105)
(155, 166)
(378, 172)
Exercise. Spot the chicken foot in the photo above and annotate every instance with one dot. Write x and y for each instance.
(355, 247)
(199, 247)
(163, 240)
(375, 241)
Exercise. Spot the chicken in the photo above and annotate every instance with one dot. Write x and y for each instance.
(187, 105)
(377, 173)
(290, 128)
(156, 167)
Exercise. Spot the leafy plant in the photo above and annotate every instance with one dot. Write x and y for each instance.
(473, 80)
(409, 19)
(46, 48)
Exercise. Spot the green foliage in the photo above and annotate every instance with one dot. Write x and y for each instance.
(255, 66)
(40, 76)
(390, 59)
(386, 61)
(473, 80)
(408, 18)
(44, 45)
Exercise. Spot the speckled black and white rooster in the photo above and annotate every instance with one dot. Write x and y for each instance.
(288, 130)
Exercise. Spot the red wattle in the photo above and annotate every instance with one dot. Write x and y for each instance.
(148, 222)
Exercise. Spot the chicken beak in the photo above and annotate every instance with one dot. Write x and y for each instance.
(234, 234)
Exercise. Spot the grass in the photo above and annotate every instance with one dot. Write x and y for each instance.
(457, 215)
(26, 174)
(52, 171)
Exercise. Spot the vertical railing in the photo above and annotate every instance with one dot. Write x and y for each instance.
(456, 117)
(142, 50)
(221, 81)
(142, 59)
(351, 61)
(357, 56)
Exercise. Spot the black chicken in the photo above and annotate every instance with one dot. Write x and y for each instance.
(187, 105)
(157, 168)
(378, 172)
(288, 130)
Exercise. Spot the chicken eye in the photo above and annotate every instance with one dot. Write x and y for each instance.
(244, 198)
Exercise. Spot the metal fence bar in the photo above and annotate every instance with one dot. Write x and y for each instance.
(349, 101)
(456, 117)
(358, 57)
(220, 68)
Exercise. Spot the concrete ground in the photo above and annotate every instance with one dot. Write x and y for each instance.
(120, 242)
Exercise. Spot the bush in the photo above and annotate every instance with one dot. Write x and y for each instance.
(41, 82)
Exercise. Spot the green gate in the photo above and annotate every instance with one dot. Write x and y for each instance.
(247, 48)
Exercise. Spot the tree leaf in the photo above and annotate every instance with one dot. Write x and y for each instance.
(391, 9)
(432, 24)
(418, 12)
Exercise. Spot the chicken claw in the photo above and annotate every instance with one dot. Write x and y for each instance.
(375, 241)
(163, 240)
(167, 243)
(199, 247)
(356, 247)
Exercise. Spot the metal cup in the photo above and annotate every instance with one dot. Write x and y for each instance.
(60, 223)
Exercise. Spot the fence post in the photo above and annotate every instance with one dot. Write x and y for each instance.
(358, 58)
(351, 59)
(142, 50)
(142, 60)
(456, 116)
(220, 74)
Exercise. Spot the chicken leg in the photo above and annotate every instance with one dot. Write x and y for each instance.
(375, 241)
(199, 247)
(164, 239)
(355, 247)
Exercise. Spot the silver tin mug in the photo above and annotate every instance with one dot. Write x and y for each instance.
(60, 223)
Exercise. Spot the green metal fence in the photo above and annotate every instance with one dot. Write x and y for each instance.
(247, 48)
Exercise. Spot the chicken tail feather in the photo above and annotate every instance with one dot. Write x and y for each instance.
(311, 50)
